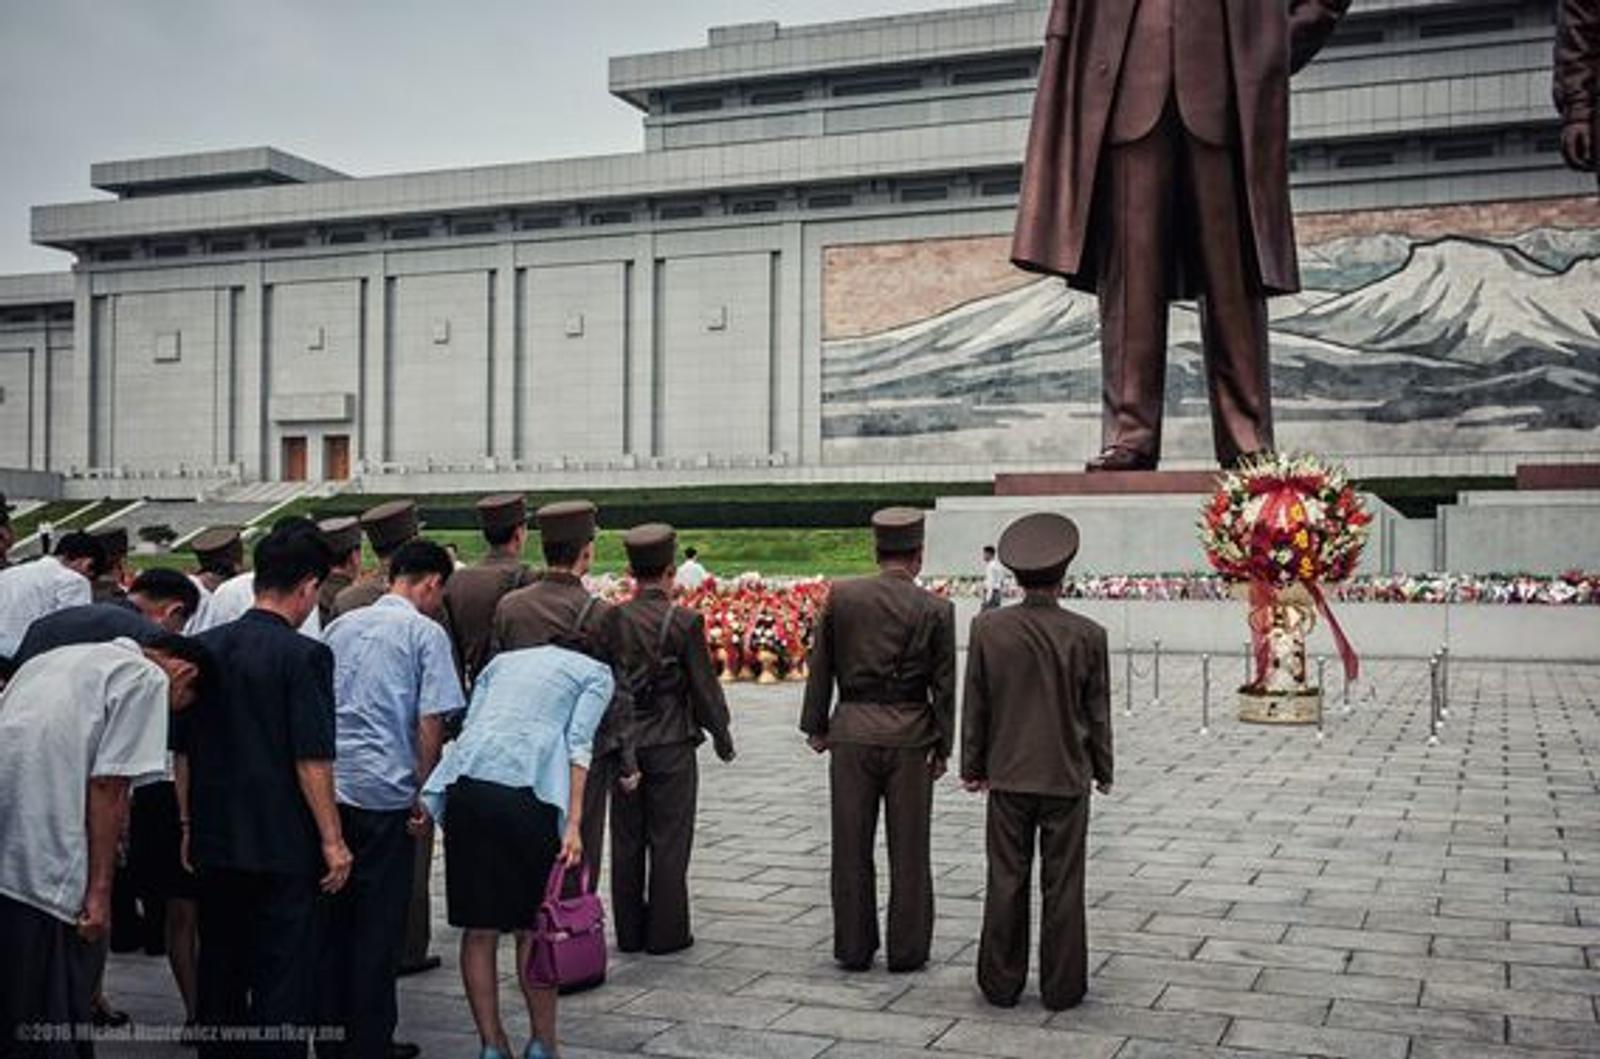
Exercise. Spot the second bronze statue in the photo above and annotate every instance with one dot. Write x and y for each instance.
(1157, 168)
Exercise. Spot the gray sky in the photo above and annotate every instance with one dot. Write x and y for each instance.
(365, 86)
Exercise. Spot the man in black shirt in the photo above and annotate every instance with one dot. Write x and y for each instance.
(255, 779)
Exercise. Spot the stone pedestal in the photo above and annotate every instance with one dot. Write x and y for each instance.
(1280, 707)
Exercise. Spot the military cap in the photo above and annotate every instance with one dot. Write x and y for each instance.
(218, 543)
(897, 529)
(566, 522)
(342, 533)
(114, 541)
(502, 511)
(1037, 548)
(390, 524)
(652, 546)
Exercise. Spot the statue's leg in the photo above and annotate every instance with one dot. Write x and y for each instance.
(1135, 229)
(1233, 307)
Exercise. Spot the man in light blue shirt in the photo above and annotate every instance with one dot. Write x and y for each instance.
(394, 682)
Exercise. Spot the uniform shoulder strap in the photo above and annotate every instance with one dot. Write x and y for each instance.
(583, 616)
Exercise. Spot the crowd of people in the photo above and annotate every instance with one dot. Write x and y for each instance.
(290, 735)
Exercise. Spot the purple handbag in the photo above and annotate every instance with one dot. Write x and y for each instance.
(569, 937)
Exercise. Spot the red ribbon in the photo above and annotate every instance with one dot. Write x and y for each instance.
(1347, 654)
(1261, 596)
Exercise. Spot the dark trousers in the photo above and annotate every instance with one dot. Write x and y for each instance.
(603, 774)
(1015, 821)
(419, 907)
(652, 835)
(859, 778)
(1165, 198)
(258, 958)
(365, 923)
(48, 978)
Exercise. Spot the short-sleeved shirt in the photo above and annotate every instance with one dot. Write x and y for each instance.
(92, 623)
(270, 708)
(70, 715)
(392, 665)
(32, 590)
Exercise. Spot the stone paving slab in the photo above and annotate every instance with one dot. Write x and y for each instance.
(1252, 892)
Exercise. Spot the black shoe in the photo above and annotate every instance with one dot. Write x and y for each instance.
(1062, 1005)
(427, 963)
(1120, 459)
(404, 1050)
(907, 968)
(856, 965)
(668, 950)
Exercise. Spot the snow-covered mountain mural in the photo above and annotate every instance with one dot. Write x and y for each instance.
(1429, 345)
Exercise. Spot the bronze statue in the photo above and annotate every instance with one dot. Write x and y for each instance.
(1158, 168)
(1577, 81)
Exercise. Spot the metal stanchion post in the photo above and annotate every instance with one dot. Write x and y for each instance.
(1444, 682)
(1155, 677)
(1205, 694)
(1322, 665)
(1433, 701)
(1345, 692)
(1127, 679)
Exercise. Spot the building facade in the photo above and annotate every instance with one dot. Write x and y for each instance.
(804, 273)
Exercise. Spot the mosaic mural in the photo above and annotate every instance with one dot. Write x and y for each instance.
(1441, 331)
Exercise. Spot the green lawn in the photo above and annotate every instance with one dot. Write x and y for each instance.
(726, 553)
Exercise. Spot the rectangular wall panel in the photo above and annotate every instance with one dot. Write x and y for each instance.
(163, 370)
(440, 335)
(715, 386)
(576, 339)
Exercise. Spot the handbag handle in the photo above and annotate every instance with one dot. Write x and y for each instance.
(558, 878)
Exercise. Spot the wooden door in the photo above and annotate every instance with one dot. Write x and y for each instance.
(336, 457)
(294, 459)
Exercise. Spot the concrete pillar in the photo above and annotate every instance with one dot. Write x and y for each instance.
(504, 350)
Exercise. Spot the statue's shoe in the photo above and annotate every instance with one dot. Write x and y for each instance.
(1120, 459)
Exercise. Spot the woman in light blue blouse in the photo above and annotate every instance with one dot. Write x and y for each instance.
(509, 796)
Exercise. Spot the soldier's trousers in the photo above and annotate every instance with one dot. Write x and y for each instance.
(652, 835)
(1015, 821)
(859, 778)
(597, 790)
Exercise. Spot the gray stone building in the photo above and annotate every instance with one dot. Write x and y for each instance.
(803, 275)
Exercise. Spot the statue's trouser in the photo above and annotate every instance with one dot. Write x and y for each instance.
(1164, 198)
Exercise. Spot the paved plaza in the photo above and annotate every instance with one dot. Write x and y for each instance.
(1252, 892)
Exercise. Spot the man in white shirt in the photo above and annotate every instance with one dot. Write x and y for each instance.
(229, 602)
(79, 727)
(55, 582)
(691, 575)
(994, 579)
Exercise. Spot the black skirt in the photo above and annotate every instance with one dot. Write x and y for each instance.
(499, 846)
(155, 839)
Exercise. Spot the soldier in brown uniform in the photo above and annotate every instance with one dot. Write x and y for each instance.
(1035, 732)
(343, 535)
(219, 551)
(557, 608)
(112, 584)
(471, 595)
(676, 701)
(890, 645)
(387, 526)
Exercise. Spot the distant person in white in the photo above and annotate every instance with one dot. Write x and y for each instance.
(994, 579)
(32, 590)
(229, 602)
(691, 575)
(80, 726)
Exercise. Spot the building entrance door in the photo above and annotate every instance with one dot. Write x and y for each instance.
(294, 459)
(336, 457)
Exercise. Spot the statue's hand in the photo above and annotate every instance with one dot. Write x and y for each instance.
(1577, 145)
